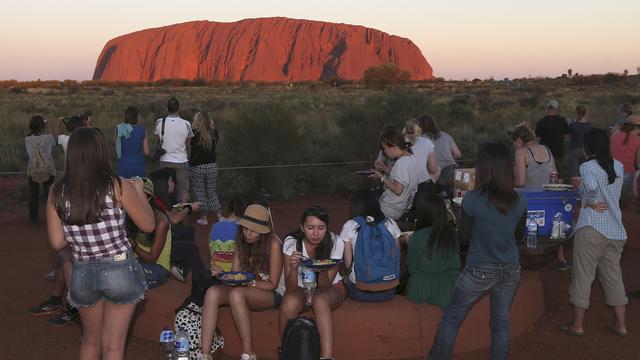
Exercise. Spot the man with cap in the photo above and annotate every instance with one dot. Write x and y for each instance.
(552, 130)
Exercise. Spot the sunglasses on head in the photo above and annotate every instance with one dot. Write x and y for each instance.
(315, 210)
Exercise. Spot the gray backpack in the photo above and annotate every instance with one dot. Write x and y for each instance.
(39, 167)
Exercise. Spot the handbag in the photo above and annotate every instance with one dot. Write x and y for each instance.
(159, 151)
(189, 318)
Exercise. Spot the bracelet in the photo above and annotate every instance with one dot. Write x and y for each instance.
(189, 208)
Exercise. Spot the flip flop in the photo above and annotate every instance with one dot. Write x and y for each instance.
(614, 329)
(567, 329)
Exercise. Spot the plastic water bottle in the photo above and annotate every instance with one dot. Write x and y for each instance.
(309, 284)
(532, 233)
(557, 229)
(167, 343)
(182, 345)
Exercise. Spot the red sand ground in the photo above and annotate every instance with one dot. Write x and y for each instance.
(25, 256)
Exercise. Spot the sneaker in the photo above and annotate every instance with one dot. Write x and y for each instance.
(563, 266)
(64, 318)
(177, 272)
(48, 307)
(202, 221)
(245, 356)
(50, 276)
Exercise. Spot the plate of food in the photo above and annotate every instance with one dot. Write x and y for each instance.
(457, 200)
(558, 187)
(365, 172)
(235, 277)
(320, 263)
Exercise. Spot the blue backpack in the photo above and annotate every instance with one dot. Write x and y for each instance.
(377, 257)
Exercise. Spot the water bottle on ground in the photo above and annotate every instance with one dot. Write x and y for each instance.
(309, 284)
(532, 233)
(167, 343)
(182, 345)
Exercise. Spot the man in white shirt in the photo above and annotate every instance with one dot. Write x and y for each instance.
(176, 139)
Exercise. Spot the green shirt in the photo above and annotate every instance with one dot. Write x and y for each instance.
(432, 280)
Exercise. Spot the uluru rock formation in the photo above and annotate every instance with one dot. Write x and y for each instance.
(266, 49)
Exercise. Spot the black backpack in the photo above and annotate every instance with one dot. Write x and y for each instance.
(300, 340)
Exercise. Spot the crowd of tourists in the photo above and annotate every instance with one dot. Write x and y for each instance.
(119, 232)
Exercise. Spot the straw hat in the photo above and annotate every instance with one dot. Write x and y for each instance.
(256, 218)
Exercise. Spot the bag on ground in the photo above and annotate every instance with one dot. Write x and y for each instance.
(39, 165)
(189, 318)
(377, 257)
(300, 340)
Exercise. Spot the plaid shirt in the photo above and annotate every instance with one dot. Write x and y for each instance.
(102, 239)
(595, 188)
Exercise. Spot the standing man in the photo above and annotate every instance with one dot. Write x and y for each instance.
(552, 130)
(177, 137)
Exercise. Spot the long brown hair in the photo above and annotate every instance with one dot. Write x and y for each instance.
(79, 196)
(494, 176)
(254, 257)
(206, 129)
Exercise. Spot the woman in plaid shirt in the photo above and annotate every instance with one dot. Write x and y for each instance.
(86, 208)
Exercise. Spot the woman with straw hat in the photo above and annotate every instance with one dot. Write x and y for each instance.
(259, 251)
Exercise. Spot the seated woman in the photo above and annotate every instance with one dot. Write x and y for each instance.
(364, 204)
(222, 237)
(424, 151)
(534, 162)
(184, 252)
(402, 182)
(445, 148)
(153, 250)
(259, 251)
(314, 241)
(433, 254)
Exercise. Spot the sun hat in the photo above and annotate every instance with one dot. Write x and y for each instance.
(148, 187)
(256, 218)
(554, 104)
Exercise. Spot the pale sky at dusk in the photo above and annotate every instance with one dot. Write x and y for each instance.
(62, 39)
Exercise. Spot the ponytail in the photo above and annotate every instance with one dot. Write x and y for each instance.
(596, 145)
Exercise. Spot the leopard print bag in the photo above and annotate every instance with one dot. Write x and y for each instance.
(189, 318)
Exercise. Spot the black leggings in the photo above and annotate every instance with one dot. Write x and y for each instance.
(34, 197)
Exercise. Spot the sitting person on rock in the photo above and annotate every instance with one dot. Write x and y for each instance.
(365, 205)
(222, 237)
(313, 241)
(158, 250)
(258, 251)
(402, 182)
(433, 253)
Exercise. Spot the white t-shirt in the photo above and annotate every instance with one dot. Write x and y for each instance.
(421, 150)
(336, 253)
(63, 140)
(176, 132)
(404, 171)
(349, 235)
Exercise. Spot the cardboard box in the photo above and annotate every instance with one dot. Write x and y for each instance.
(463, 181)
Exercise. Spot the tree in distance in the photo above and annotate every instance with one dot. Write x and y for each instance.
(384, 75)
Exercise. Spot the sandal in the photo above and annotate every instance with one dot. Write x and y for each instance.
(568, 329)
(614, 329)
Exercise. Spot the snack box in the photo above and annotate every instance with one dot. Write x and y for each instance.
(463, 180)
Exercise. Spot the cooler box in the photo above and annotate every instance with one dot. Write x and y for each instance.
(544, 204)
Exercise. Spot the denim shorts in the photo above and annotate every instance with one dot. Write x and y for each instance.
(118, 280)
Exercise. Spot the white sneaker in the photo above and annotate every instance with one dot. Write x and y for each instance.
(245, 356)
(177, 272)
(202, 221)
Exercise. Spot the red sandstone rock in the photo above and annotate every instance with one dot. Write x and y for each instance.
(266, 49)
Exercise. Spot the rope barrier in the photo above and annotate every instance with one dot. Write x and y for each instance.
(255, 167)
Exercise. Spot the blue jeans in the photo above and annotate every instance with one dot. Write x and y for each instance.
(154, 274)
(501, 281)
(368, 296)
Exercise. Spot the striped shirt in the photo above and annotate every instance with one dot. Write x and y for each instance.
(595, 188)
(99, 240)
